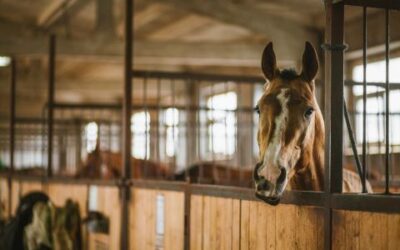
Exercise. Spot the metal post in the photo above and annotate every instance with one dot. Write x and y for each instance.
(334, 103)
(126, 126)
(12, 130)
(387, 109)
(50, 104)
(364, 121)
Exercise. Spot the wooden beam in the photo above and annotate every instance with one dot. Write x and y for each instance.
(158, 53)
(56, 12)
(52, 10)
(105, 18)
(285, 33)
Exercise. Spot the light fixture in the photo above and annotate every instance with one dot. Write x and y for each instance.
(4, 61)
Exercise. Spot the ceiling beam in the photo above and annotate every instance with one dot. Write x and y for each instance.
(56, 12)
(157, 53)
(105, 17)
(286, 33)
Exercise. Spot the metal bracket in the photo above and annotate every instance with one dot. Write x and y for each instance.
(334, 47)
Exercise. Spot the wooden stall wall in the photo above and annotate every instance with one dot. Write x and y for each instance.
(4, 204)
(365, 230)
(107, 201)
(225, 223)
(59, 193)
(157, 219)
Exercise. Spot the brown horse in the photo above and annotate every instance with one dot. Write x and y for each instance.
(291, 131)
(108, 165)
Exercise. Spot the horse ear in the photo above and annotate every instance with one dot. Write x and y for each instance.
(310, 63)
(268, 62)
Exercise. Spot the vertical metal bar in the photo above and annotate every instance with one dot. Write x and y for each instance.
(353, 141)
(188, 122)
(333, 114)
(227, 113)
(199, 136)
(173, 124)
(146, 130)
(387, 109)
(126, 125)
(158, 124)
(364, 121)
(50, 104)
(13, 94)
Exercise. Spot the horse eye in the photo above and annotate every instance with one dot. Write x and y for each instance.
(257, 109)
(309, 112)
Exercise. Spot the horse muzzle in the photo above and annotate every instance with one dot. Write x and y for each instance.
(266, 190)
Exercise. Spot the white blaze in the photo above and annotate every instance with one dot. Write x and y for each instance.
(271, 156)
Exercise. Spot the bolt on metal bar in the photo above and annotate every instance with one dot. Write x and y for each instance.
(387, 160)
(364, 121)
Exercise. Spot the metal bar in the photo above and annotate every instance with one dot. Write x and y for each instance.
(50, 102)
(353, 143)
(393, 85)
(126, 122)
(158, 124)
(383, 4)
(334, 103)
(197, 76)
(370, 202)
(13, 93)
(387, 109)
(146, 129)
(364, 121)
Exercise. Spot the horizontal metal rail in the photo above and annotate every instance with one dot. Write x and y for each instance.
(196, 76)
(382, 4)
(345, 201)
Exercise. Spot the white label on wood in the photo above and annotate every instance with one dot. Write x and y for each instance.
(93, 198)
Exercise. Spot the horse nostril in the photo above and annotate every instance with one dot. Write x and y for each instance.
(282, 176)
(263, 185)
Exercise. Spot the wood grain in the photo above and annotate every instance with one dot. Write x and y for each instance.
(143, 219)
(365, 230)
(4, 196)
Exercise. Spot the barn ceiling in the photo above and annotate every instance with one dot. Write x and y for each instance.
(219, 36)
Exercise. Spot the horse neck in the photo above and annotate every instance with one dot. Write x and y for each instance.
(309, 171)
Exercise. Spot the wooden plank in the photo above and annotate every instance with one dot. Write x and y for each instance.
(245, 225)
(59, 193)
(285, 230)
(320, 228)
(306, 228)
(393, 231)
(196, 222)
(107, 202)
(207, 224)
(339, 230)
(373, 231)
(174, 220)
(142, 219)
(253, 221)
(236, 220)
(15, 192)
(4, 204)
